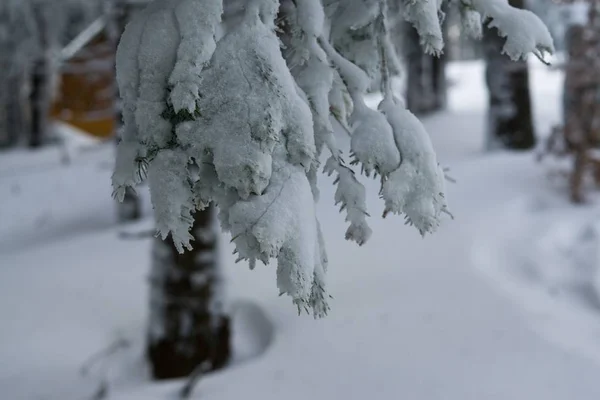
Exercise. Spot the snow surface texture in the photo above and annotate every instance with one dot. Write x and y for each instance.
(421, 322)
(237, 121)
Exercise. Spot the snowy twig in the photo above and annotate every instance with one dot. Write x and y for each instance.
(102, 391)
(448, 177)
(540, 56)
(117, 345)
(194, 378)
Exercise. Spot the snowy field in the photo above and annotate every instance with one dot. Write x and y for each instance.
(502, 303)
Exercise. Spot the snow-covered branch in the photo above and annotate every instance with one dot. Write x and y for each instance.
(525, 33)
(242, 120)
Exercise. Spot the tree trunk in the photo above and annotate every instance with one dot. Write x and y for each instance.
(580, 102)
(188, 326)
(510, 123)
(426, 81)
(40, 98)
(419, 88)
(439, 82)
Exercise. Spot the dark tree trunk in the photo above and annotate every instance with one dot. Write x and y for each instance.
(419, 88)
(439, 82)
(40, 98)
(188, 326)
(580, 101)
(510, 123)
(426, 81)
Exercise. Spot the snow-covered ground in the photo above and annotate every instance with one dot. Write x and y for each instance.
(502, 303)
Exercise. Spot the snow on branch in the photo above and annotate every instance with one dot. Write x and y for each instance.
(242, 121)
(524, 31)
(425, 16)
(471, 21)
(197, 23)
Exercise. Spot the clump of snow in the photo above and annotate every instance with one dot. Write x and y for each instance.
(261, 230)
(197, 22)
(525, 33)
(471, 21)
(425, 16)
(172, 196)
(372, 141)
(417, 187)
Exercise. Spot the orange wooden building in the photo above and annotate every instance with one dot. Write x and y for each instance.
(87, 94)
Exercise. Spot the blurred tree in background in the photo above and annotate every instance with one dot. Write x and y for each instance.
(18, 47)
(426, 74)
(510, 121)
(579, 136)
(32, 34)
